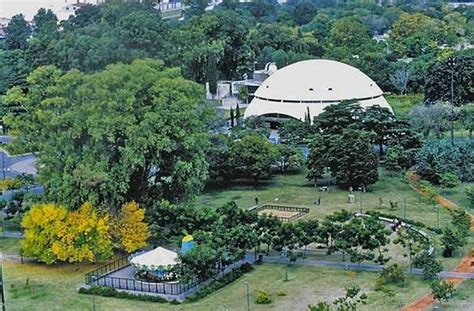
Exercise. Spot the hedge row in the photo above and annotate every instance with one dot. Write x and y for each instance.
(220, 283)
(112, 292)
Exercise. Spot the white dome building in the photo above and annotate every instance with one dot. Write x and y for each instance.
(313, 85)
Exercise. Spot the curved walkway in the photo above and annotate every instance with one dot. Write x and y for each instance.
(464, 266)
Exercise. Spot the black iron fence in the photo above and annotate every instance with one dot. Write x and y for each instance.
(101, 277)
(106, 269)
(171, 288)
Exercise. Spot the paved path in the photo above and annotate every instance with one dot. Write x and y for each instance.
(360, 267)
(12, 234)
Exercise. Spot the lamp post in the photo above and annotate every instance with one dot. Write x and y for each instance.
(248, 295)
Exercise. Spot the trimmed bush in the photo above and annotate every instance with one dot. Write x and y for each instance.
(262, 297)
(112, 292)
(393, 274)
(219, 283)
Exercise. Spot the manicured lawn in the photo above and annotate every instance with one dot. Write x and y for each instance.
(9, 246)
(463, 298)
(39, 287)
(457, 195)
(294, 189)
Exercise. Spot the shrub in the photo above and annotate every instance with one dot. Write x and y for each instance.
(112, 292)
(439, 157)
(320, 306)
(431, 267)
(442, 290)
(218, 284)
(3, 203)
(449, 180)
(393, 274)
(262, 297)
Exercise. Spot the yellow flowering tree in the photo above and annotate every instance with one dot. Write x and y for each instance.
(129, 229)
(43, 225)
(52, 233)
(85, 237)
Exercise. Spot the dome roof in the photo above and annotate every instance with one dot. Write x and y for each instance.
(313, 85)
(318, 80)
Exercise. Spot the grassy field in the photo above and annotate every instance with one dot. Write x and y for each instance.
(463, 298)
(9, 246)
(38, 287)
(295, 190)
(457, 195)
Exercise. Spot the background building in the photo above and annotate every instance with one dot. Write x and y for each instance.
(312, 85)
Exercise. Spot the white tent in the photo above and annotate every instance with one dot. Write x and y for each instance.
(159, 258)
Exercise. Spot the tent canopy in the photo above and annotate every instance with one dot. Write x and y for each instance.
(155, 258)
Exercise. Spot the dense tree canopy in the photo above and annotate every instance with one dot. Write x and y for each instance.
(131, 132)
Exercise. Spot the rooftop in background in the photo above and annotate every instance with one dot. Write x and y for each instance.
(29, 8)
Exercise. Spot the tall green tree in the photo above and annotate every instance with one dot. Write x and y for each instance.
(46, 24)
(352, 161)
(252, 156)
(131, 132)
(438, 82)
(17, 32)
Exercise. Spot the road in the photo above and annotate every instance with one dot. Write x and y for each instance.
(360, 267)
(13, 165)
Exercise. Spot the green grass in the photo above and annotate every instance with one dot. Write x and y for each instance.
(295, 190)
(9, 246)
(463, 297)
(39, 287)
(457, 195)
(402, 104)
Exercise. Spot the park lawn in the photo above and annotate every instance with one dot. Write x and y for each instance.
(9, 246)
(457, 195)
(463, 297)
(39, 287)
(293, 189)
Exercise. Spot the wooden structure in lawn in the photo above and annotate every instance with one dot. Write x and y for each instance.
(283, 212)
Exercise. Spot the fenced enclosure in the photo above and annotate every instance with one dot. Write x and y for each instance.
(103, 276)
(106, 269)
(283, 212)
(172, 288)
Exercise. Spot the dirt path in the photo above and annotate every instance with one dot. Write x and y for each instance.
(465, 265)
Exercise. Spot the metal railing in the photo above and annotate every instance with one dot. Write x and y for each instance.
(94, 275)
(142, 286)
